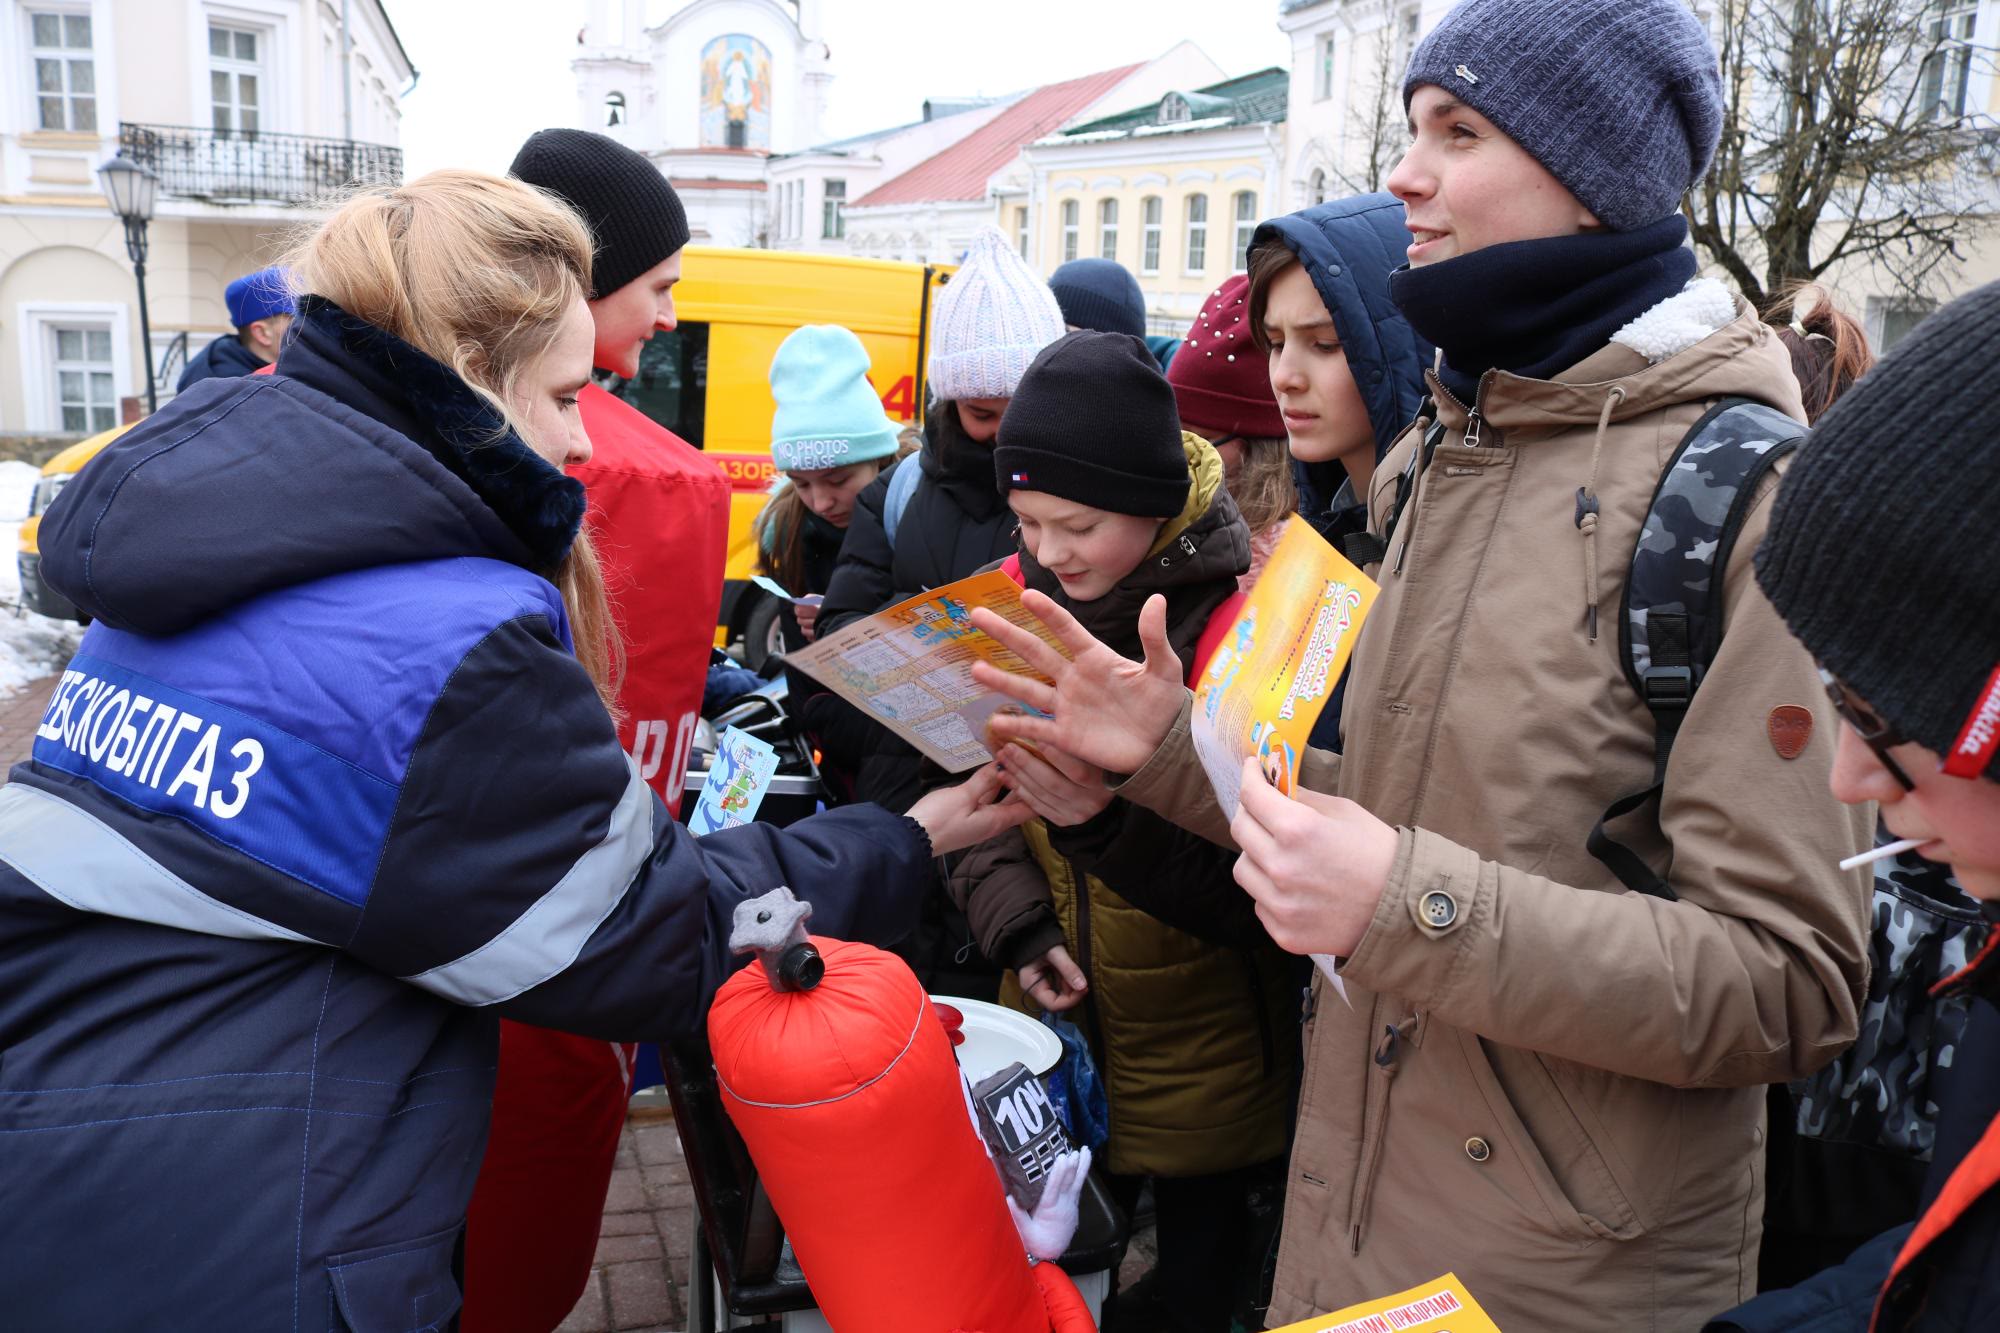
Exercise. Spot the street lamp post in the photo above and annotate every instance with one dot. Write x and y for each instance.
(130, 188)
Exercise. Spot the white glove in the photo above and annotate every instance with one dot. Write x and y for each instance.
(1048, 1231)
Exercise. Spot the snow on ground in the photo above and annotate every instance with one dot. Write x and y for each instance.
(31, 646)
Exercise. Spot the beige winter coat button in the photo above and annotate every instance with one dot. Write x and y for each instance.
(1437, 910)
(1478, 1149)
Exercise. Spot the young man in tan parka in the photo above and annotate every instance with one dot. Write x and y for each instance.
(1539, 1080)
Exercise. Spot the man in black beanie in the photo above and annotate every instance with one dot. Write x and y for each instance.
(1882, 558)
(660, 512)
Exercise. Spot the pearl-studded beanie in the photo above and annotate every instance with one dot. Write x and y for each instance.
(989, 322)
(1222, 383)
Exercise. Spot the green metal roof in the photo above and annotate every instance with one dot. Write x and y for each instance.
(1248, 99)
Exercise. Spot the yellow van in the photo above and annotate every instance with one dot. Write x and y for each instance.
(36, 595)
(709, 382)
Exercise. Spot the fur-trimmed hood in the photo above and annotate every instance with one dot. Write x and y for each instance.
(359, 451)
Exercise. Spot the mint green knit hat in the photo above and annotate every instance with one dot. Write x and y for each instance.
(828, 414)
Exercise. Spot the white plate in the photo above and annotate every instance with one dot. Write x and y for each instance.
(996, 1037)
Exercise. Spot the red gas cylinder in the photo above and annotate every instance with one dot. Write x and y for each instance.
(849, 1099)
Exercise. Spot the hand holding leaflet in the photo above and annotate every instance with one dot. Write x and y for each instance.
(777, 590)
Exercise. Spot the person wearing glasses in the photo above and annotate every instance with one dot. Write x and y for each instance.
(1881, 558)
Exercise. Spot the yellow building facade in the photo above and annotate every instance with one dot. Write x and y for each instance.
(1172, 191)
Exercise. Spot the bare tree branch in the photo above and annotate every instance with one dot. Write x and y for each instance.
(1847, 135)
(1375, 128)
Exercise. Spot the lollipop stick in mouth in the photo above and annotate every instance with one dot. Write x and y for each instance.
(1885, 850)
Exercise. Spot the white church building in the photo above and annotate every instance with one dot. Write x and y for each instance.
(711, 94)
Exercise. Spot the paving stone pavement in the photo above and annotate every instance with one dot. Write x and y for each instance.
(640, 1281)
(19, 716)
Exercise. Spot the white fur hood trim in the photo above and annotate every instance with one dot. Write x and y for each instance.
(1680, 321)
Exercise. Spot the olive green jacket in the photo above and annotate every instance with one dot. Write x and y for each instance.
(1197, 1041)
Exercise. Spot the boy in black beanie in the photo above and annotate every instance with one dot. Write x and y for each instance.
(1882, 560)
(1117, 503)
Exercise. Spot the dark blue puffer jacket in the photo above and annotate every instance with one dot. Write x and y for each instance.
(1350, 247)
(321, 797)
(221, 359)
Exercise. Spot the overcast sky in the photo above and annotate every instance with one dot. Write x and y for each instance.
(494, 71)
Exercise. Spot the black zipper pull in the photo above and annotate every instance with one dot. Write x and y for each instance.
(1385, 1049)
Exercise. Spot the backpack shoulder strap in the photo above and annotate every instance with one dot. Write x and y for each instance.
(1670, 621)
(902, 485)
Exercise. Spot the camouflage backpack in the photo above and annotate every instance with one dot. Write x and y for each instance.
(1850, 1145)
(1670, 624)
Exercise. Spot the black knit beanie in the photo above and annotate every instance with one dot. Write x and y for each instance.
(1093, 421)
(1882, 554)
(633, 213)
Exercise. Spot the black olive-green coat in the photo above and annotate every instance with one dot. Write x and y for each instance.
(1197, 1040)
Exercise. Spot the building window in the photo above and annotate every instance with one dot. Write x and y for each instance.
(1323, 70)
(1246, 226)
(833, 210)
(235, 79)
(65, 74)
(86, 399)
(1197, 234)
(1149, 212)
(614, 109)
(1174, 110)
(1021, 230)
(1316, 187)
(1070, 212)
(1894, 317)
(1409, 27)
(1107, 229)
(736, 135)
(1948, 68)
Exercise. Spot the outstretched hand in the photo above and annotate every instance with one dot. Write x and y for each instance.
(970, 813)
(1105, 709)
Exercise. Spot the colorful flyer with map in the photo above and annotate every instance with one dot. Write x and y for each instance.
(1440, 1306)
(738, 777)
(1267, 682)
(910, 667)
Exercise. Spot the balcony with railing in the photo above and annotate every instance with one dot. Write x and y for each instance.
(237, 166)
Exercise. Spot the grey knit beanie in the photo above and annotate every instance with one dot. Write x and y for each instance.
(1882, 555)
(1620, 99)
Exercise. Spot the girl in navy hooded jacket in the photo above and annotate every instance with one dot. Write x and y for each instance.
(331, 786)
(1346, 372)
